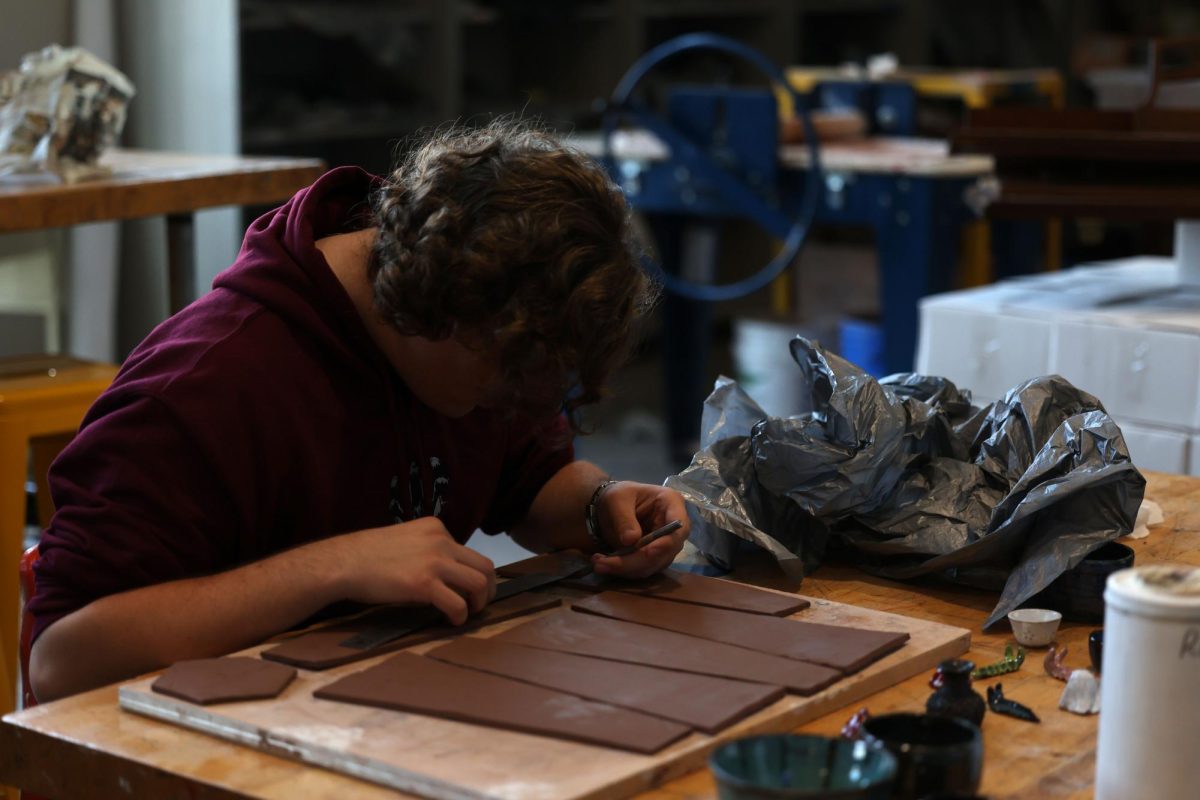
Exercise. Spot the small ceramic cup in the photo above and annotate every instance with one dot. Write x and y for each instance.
(781, 766)
(1079, 592)
(1034, 627)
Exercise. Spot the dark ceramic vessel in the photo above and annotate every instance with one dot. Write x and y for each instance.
(1096, 649)
(935, 755)
(954, 696)
(1079, 593)
(789, 766)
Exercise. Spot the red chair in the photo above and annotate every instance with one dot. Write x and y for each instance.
(29, 558)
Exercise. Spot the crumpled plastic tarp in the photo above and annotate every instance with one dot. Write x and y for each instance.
(918, 482)
(59, 112)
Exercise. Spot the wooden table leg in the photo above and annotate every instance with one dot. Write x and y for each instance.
(13, 467)
(181, 260)
(918, 251)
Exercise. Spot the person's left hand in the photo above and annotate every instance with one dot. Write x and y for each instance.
(628, 511)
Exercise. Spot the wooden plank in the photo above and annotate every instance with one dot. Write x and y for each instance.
(149, 183)
(884, 155)
(1023, 199)
(441, 758)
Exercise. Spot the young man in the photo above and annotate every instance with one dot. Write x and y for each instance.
(383, 370)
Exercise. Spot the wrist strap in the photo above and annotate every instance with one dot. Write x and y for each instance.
(589, 517)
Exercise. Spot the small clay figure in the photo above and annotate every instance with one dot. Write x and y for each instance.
(1081, 695)
(1054, 663)
(853, 727)
(953, 696)
(1000, 704)
(1012, 661)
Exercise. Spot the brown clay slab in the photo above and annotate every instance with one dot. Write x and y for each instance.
(671, 584)
(846, 649)
(600, 637)
(323, 648)
(686, 587)
(700, 701)
(408, 682)
(223, 680)
(562, 562)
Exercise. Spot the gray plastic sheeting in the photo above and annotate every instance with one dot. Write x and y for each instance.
(914, 479)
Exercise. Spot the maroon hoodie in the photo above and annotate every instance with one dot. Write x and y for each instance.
(263, 416)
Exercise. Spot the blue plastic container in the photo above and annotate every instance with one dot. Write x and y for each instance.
(861, 342)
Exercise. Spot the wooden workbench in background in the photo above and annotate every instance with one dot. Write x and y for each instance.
(1052, 760)
(145, 183)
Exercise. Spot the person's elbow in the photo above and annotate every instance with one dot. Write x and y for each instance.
(56, 669)
(46, 677)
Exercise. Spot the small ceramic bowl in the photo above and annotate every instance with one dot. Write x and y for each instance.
(1034, 627)
(790, 766)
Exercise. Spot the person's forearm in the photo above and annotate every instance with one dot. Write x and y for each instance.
(144, 629)
(555, 519)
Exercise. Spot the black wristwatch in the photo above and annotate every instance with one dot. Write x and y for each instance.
(593, 524)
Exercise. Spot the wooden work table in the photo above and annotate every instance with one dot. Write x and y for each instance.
(85, 746)
(146, 183)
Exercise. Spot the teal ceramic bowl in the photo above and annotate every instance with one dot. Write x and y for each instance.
(790, 766)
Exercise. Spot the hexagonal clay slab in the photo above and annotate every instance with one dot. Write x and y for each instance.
(224, 680)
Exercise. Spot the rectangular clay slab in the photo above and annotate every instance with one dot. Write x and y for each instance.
(408, 682)
(670, 584)
(700, 701)
(685, 587)
(322, 649)
(563, 562)
(845, 649)
(600, 637)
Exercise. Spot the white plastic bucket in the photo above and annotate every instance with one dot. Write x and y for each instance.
(765, 369)
(1149, 744)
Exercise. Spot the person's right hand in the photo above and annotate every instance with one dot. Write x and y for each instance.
(414, 562)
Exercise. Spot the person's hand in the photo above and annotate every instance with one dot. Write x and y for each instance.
(627, 511)
(414, 562)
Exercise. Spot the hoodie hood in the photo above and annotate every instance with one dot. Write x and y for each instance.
(280, 267)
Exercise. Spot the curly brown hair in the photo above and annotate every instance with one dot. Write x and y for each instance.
(519, 246)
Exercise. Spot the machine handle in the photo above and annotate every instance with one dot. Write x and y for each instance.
(620, 104)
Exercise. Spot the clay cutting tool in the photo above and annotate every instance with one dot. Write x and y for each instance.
(652, 536)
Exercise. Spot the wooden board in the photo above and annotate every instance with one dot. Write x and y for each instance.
(445, 759)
